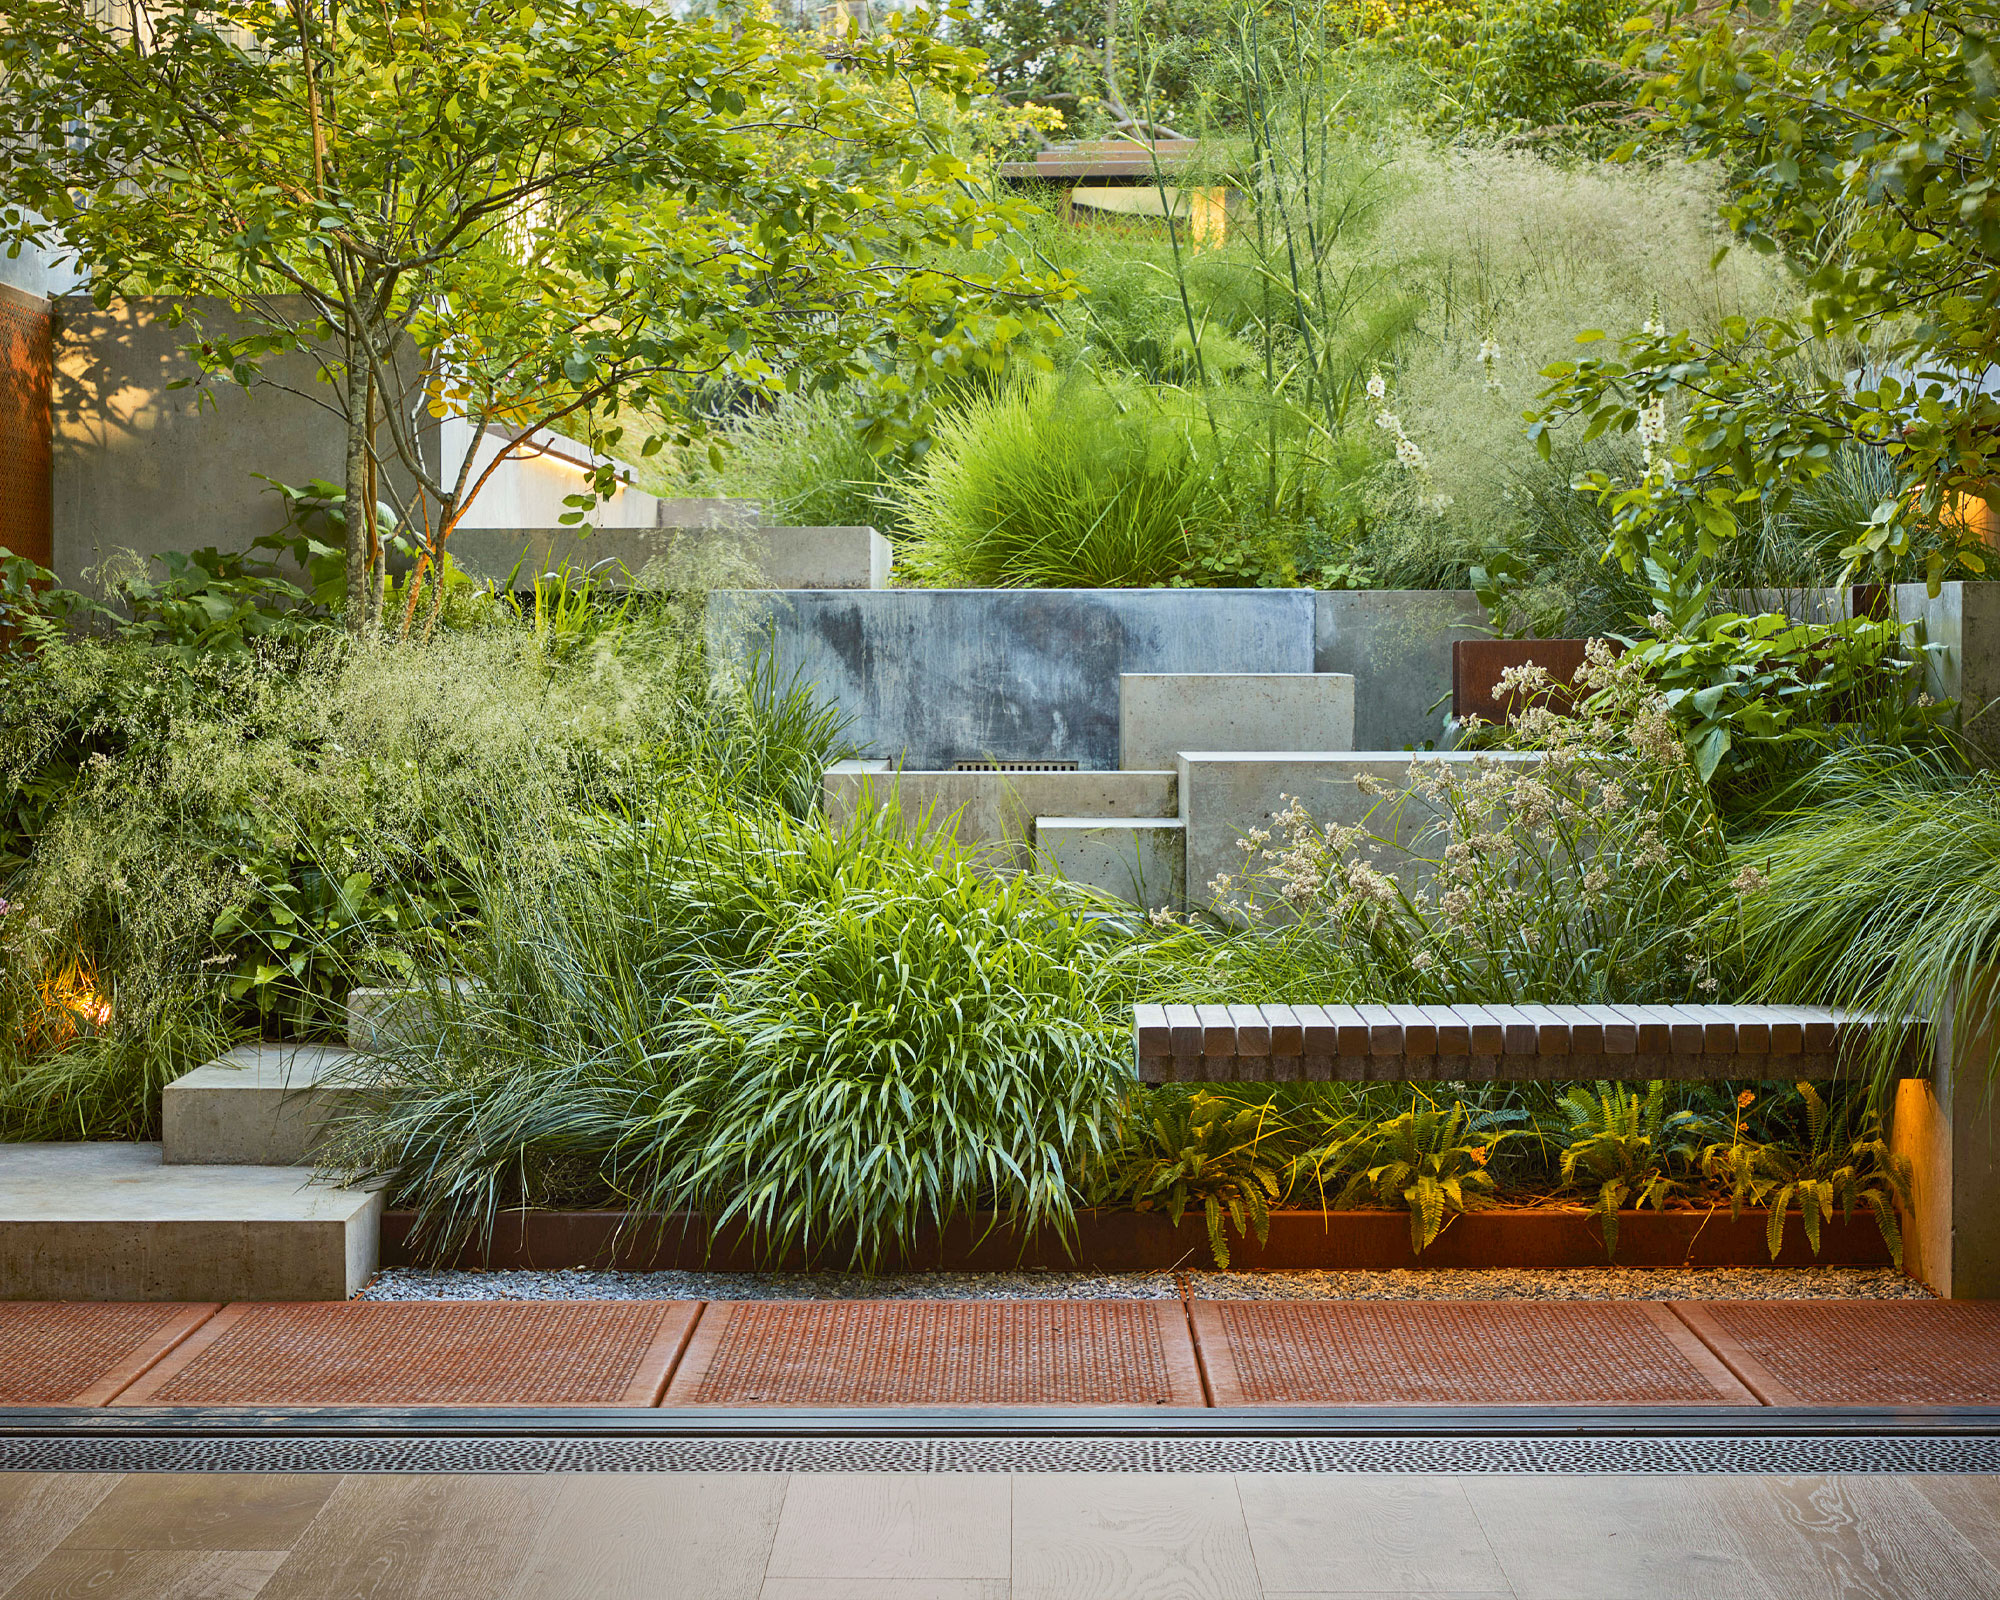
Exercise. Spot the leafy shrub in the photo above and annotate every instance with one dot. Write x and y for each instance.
(1431, 1161)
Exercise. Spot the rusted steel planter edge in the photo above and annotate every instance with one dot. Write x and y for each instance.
(1127, 1241)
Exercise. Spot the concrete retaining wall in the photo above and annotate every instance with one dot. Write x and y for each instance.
(1397, 644)
(1965, 619)
(994, 811)
(932, 677)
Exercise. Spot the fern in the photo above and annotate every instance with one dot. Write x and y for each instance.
(1628, 1146)
(1431, 1161)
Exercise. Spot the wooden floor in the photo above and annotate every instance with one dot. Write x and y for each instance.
(984, 1537)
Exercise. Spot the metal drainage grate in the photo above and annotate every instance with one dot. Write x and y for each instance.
(1859, 1352)
(468, 1353)
(939, 1353)
(1814, 1454)
(1013, 766)
(1460, 1353)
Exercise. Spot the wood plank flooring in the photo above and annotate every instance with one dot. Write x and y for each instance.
(973, 1536)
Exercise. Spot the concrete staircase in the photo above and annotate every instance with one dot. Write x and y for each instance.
(223, 1208)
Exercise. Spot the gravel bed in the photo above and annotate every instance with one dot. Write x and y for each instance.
(1596, 1283)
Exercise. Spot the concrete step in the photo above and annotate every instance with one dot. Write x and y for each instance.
(260, 1105)
(115, 1222)
(1140, 860)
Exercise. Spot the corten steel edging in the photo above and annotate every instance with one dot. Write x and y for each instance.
(1130, 1241)
(986, 1422)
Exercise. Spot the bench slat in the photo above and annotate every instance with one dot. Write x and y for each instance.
(1287, 1036)
(1553, 1028)
(1487, 1036)
(1454, 1034)
(1385, 1032)
(1420, 1033)
(1253, 1033)
(1351, 1030)
(1155, 1037)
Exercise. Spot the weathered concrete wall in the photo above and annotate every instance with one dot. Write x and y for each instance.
(1947, 1126)
(1965, 619)
(1162, 714)
(718, 552)
(1397, 644)
(936, 676)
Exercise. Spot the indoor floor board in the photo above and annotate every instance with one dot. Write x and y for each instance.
(654, 1536)
(395, 1537)
(1616, 1538)
(39, 1509)
(1363, 1531)
(1861, 1538)
(884, 1589)
(149, 1575)
(893, 1525)
(1971, 1504)
(1138, 1536)
(204, 1511)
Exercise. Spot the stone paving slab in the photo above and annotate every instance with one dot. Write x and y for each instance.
(1026, 1353)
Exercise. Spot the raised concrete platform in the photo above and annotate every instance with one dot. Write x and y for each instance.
(114, 1222)
(1142, 860)
(261, 1105)
(1161, 714)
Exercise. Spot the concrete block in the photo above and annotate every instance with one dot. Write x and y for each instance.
(823, 558)
(1161, 714)
(379, 1019)
(1965, 619)
(1946, 1125)
(1141, 860)
(932, 677)
(1396, 643)
(260, 1105)
(114, 1222)
(1224, 794)
(993, 812)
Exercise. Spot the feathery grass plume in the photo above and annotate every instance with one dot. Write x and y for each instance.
(1876, 887)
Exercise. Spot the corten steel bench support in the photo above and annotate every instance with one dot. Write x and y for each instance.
(1943, 1115)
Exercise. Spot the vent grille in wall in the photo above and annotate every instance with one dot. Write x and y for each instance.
(1013, 766)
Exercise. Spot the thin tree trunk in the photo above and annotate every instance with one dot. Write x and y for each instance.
(360, 562)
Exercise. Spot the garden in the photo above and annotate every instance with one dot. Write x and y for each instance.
(1651, 332)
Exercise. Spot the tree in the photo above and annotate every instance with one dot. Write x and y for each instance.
(1861, 142)
(573, 213)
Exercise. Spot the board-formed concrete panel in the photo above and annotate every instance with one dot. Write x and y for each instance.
(1161, 714)
(933, 677)
(1141, 860)
(1964, 620)
(1397, 645)
(113, 1222)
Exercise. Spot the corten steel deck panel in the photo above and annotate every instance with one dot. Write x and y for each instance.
(1456, 1353)
(1857, 1352)
(940, 1353)
(467, 1353)
(71, 1353)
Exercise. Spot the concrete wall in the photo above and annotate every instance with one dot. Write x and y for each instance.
(994, 812)
(1162, 714)
(936, 676)
(1397, 644)
(1223, 795)
(719, 552)
(1965, 619)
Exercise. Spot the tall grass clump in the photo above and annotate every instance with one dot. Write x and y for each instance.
(832, 1039)
(1878, 890)
(1083, 482)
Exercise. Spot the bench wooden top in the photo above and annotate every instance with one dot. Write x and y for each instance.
(1224, 1042)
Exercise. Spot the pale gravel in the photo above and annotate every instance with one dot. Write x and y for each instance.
(1594, 1283)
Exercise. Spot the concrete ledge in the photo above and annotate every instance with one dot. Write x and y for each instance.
(1161, 714)
(260, 1105)
(380, 1018)
(113, 1222)
(1141, 860)
(786, 558)
(994, 811)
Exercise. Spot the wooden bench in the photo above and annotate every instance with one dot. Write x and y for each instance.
(1359, 1044)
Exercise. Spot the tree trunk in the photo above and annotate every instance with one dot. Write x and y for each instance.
(359, 557)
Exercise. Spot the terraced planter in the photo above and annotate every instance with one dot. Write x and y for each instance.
(1127, 1241)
